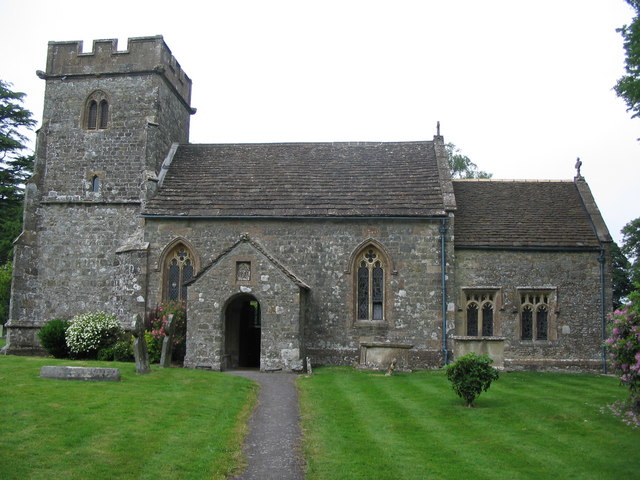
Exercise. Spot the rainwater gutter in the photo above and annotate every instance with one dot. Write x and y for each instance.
(443, 279)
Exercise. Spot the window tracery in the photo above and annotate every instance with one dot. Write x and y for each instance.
(534, 316)
(179, 269)
(480, 308)
(370, 286)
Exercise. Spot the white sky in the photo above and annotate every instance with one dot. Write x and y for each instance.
(521, 87)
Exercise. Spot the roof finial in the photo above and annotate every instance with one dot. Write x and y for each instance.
(438, 128)
(578, 165)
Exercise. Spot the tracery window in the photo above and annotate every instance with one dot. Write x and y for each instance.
(179, 269)
(96, 115)
(370, 273)
(480, 307)
(534, 316)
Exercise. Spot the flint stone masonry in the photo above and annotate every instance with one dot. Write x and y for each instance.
(81, 373)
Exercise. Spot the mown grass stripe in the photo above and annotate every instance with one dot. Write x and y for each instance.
(519, 430)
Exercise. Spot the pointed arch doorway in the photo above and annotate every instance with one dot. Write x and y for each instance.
(242, 332)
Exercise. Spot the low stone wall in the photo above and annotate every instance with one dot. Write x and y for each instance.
(81, 373)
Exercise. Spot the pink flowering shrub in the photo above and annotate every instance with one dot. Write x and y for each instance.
(624, 350)
(157, 321)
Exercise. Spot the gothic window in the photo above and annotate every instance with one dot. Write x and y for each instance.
(479, 309)
(370, 274)
(96, 115)
(179, 269)
(534, 316)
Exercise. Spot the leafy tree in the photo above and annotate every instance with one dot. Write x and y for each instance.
(470, 375)
(621, 275)
(631, 247)
(461, 166)
(628, 86)
(15, 167)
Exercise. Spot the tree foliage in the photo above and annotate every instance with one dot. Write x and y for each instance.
(461, 166)
(15, 166)
(631, 247)
(628, 86)
(621, 275)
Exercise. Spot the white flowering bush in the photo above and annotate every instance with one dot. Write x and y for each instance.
(89, 333)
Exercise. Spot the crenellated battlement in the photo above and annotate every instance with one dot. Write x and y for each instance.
(143, 55)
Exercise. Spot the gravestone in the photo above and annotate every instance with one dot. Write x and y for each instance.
(80, 373)
(140, 351)
(167, 343)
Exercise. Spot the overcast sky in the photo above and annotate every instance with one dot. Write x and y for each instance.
(521, 87)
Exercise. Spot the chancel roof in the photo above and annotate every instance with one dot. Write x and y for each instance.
(302, 180)
(502, 213)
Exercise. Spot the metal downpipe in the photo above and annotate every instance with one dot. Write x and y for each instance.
(603, 313)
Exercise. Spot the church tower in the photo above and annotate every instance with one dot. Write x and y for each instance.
(109, 119)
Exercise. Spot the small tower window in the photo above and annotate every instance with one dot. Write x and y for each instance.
(104, 113)
(96, 115)
(93, 115)
(95, 184)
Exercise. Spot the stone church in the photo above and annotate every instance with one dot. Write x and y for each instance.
(346, 253)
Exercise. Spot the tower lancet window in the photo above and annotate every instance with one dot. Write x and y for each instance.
(96, 114)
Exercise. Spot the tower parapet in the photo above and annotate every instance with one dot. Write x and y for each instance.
(143, 55)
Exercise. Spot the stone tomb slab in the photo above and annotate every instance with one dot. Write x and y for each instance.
(81, 373)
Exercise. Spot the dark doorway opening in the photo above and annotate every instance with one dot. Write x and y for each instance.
(242, 332)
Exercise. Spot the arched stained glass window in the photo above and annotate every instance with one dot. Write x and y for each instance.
(526, 319)
(92, 116)
(487, 319)
(104, 114)
(370, 285)
(479, 309)
(472, 319)
(179, 269)
(541, 323)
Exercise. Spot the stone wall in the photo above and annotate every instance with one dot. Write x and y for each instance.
(573, 280)
(319, 252)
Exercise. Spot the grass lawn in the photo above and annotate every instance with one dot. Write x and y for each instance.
(363, 425)
(170, 424)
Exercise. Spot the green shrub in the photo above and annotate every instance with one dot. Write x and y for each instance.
(52, 337)
(91, 332)
(121, 351)
(154, 347)
(471, 375)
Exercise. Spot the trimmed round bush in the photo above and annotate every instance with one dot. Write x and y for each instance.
(91, 332)
(53, 339)
(470, 375)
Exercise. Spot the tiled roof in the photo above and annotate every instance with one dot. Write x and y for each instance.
(521, 214)
(301, 179)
